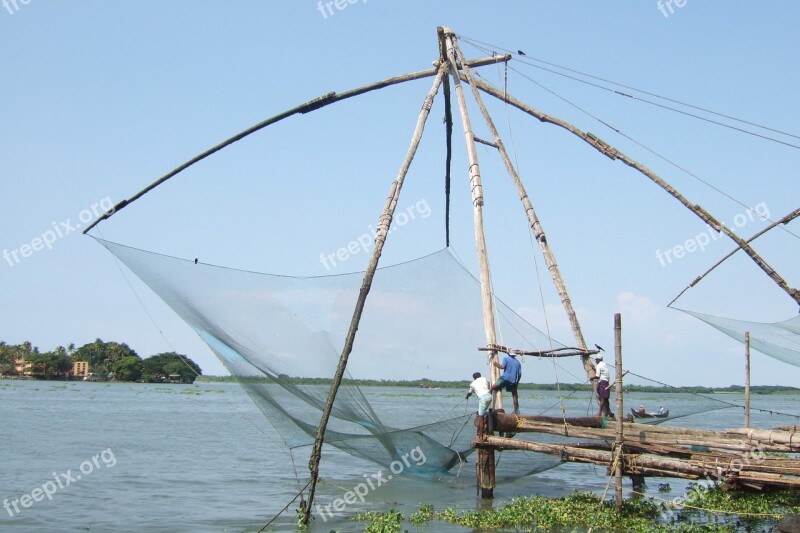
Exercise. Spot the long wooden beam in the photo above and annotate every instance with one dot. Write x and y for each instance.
(737, 440)
(649, 465)
(611, 152)
(307, 107)
(785, 220)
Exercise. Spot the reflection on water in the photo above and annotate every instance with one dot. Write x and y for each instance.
(203, 458)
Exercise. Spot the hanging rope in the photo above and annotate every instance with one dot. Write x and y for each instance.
(302, 504)
(613, 468)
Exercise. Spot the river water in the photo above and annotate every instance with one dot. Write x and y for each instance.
(147, 457)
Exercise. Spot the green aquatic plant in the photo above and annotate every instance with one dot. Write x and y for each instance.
(582, 510)
(425, 514)
(388, 522)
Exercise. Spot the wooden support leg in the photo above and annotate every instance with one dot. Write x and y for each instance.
(486, 479)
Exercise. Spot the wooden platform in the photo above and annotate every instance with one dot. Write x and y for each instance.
(735, 457)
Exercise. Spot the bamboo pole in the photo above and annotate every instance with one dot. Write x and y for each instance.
(535, 225)
(785, 220)
(311, 105)
(729, 467)
(486, 458)
(644, 436)
(380, 238)
(620, 435)
(477, 204)
(747, 379)
(767, 436)
(611, 152)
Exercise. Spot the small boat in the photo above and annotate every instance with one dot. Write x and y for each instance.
(637, 414)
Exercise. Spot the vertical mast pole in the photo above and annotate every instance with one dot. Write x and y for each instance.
(382, 233)
(448, 43)
(618, 389)
(747, 379)
(535, 224)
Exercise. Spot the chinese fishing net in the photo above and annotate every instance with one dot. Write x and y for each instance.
(422, 316)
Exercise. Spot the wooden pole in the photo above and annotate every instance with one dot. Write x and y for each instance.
(747, 379)
(535, 224)
(785, 220)
(620, 436)
(611, 152)
(380, 238)
(307, 107)
(446, 35)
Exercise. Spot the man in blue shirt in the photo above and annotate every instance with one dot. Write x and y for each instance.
(509, 379)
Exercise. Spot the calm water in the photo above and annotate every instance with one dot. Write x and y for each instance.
(203, 458)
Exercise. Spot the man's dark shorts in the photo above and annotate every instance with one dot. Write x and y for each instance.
(603, 391)
(501, 384)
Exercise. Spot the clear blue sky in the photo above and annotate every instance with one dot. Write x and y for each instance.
(101, 98)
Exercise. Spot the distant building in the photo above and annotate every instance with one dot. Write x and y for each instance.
(80, 369)
(23, 367)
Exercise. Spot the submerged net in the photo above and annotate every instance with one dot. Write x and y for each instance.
(780, 340)
(422, 319)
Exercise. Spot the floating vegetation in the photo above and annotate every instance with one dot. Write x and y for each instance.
(388, 522)
(585, 510)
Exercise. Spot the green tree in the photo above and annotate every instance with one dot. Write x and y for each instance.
(101, 355)
(49, 364)
(159, 367)
(6, 359)
(128, 368)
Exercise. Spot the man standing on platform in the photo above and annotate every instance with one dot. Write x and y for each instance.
(480, 386)
(603, 389)
(509, 379)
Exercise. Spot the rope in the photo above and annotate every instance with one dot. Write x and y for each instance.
(617, 455)
(620, 93)
(457, 433)
(682, 169)
(302, 502)
(450, 410)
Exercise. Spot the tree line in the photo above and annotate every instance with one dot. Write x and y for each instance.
(107, 360)
(463, 384)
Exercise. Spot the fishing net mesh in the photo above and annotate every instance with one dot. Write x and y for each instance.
(780, 340)
(422, 320)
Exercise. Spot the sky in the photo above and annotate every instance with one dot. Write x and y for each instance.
(100, 99)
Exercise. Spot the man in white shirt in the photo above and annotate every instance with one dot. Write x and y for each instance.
(480, 386)
(603, 392)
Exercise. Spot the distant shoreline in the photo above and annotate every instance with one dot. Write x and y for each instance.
(430, 384)
(463, 385)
